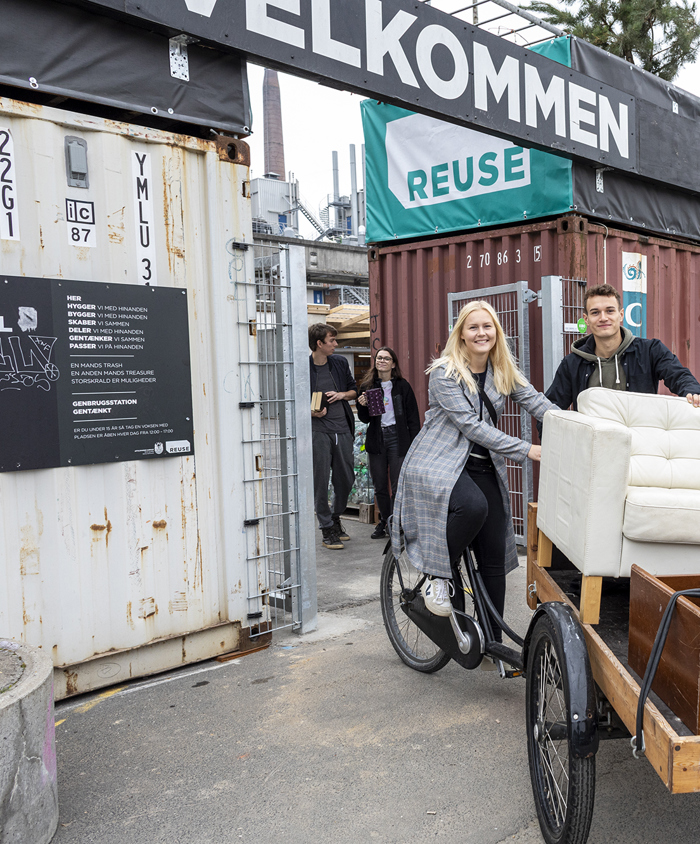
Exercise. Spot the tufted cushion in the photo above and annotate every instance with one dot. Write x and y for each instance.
(662, 515)
(665, 448)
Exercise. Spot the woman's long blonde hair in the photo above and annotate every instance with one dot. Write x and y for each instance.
(456, 361)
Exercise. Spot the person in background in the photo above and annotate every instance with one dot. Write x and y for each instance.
(332, 432)
(611, 356)
(453, 489)
(390, 434)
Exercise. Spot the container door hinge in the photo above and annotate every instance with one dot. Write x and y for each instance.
(179, 60)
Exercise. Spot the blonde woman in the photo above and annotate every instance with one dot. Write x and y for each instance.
(453, 489)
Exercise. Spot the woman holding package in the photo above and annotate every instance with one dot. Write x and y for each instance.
(387, 403)
(453, 490)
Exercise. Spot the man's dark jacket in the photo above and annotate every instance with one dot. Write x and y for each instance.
(644, 362)
(407, 418)
(339, 370)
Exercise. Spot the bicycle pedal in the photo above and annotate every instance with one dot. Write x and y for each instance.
(514, 673)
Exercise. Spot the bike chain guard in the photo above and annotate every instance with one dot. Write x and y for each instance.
(440, 630)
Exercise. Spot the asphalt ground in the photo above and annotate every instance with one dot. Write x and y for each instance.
(329, 737)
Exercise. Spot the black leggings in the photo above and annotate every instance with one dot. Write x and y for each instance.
(476, 517)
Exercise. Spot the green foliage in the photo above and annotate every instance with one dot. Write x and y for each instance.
(659, 35)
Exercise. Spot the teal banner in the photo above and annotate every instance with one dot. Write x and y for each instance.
(425, 176)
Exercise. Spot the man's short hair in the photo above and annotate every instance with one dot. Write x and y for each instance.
(319, 331)
(600, 290)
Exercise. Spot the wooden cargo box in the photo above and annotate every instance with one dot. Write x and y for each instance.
(677, 680)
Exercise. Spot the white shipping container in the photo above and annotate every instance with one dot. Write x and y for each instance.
(120, 570)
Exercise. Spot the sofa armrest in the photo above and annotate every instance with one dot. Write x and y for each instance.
(583, 483)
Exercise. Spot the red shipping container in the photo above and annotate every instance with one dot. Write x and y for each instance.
(410, 282)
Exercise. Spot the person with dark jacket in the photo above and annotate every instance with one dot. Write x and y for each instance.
(611, 356)
(332, 432)
(391, 433)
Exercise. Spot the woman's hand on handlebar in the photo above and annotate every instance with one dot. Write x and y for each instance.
(535, 453)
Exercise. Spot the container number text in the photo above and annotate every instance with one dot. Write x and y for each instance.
(485, 259)
(144, 217)
(9, 221)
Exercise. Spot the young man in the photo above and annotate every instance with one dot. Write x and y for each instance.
(332, 431)
(611, 356)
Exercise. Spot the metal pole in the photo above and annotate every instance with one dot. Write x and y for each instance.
(296, 278)
(336, 191)
(364, 188)
(552, 327)
(353, 191)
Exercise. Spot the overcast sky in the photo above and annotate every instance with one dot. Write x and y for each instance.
(317, 120)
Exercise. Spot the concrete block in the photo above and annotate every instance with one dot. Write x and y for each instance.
(28, 788)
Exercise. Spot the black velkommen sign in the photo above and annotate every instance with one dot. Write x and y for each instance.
(92, 373)
(415, 56)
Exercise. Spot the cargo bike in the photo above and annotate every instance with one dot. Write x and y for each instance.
(609, 655)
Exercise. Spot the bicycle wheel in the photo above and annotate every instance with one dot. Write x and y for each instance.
(408, 640)
(562, 784)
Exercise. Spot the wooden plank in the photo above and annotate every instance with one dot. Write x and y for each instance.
(353, 335)
(343, 312)
(359, 318)
(686, 765)
(591, 588)
(544, 553)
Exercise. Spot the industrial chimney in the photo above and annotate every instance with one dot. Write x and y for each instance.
(272, 126)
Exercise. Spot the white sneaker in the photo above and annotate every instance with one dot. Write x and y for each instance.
(436, 593)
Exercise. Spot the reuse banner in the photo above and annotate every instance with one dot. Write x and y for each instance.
(425, 176)
(92, 373)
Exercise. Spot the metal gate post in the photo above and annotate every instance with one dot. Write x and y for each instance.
(510, 301)
(296, 264)
(552, 327)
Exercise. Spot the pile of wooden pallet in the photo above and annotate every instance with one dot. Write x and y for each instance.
(351, 322)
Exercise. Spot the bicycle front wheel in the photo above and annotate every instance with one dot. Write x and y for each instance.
(408, 640)
(563, 786)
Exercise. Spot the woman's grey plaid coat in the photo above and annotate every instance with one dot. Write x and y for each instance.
(436, 459)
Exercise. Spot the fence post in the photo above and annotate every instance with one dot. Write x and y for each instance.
(552, 327)
(296, 257)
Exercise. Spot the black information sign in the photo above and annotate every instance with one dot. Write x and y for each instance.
(92, 373)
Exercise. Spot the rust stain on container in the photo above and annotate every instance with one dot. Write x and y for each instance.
(161, 523)
(99, 529)
(148, 608)
(71, 682)
(29, 557)
(115, 226)
(179, 603)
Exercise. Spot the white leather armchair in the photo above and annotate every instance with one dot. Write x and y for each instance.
(620, 484)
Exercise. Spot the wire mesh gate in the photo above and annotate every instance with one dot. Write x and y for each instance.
(562, 308)
(510, 302)
(271, 477)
